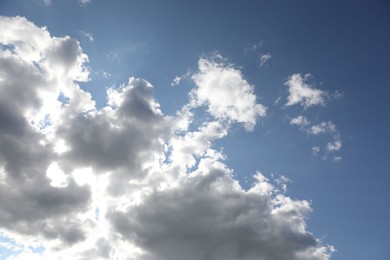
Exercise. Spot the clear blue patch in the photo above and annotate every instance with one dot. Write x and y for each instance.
(97, 214)
(7, 47)
(6, 252)
(63, 99)
(37, 250)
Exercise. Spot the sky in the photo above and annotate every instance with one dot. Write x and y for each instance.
(196, 130)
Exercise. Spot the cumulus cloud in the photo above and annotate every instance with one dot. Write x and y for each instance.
(301, 93)
(225, 92)
(209, 216)
(126, 181)
(35, 71)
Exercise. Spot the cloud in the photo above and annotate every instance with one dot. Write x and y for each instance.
(126, 181)
(36, 69)
(176, 81)
(81, 2)
(301, 93)
(322, 128)
(47, 2)
(84, 2)
(254, 47)
(227, 95)
(209, 216)
(315, 150)
(264, 59)
(89, 36)
(300, 121)
(335, 145)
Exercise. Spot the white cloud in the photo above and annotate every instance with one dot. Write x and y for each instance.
(334, 146)
(227, 95)
(299, 121)
(322, 128)
(301, 93)
(127, 181)
(176, 81)
(264, 59)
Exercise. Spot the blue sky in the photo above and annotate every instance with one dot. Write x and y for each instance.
(331, 141)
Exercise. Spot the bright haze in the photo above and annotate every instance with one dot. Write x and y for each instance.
(194, 130)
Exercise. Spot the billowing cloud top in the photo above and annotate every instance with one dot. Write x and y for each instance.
(126, 181)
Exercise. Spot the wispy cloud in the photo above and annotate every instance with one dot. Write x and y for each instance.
(176, 81)
(84, 2)
(264, 58)
(89, 36)
(254, 47)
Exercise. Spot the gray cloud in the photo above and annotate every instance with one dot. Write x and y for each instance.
(208, 216)
(28, 203)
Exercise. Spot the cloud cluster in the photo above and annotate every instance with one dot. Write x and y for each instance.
(305, 95)
(323, 128)
(126, 181)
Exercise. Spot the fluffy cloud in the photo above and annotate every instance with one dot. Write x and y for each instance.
(126, 181)
(301, 93)
(227, 95)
